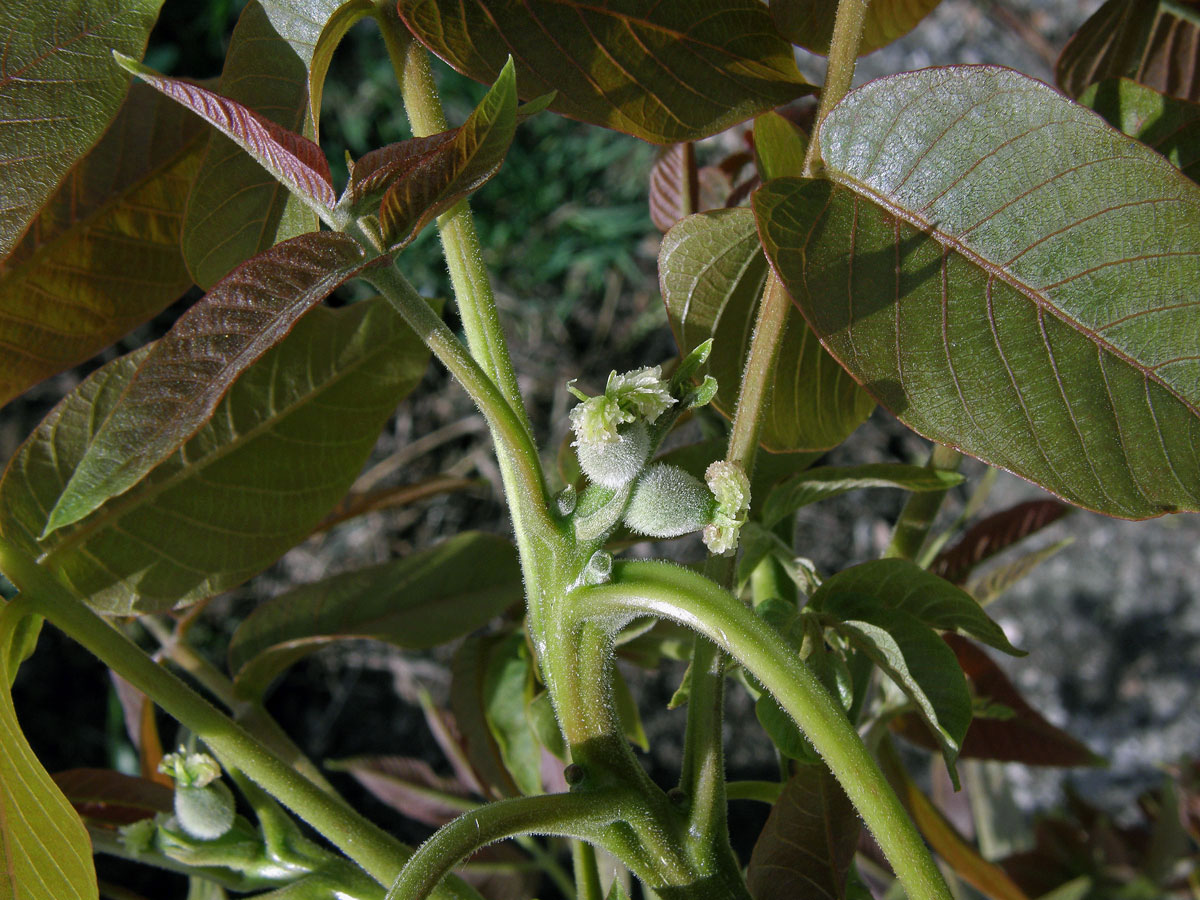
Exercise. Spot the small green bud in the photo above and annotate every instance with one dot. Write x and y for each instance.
(615, 463)
(668, 502)
(138, 837)
(565, 500)
(190, 769)
(205, 813)
(599, 568)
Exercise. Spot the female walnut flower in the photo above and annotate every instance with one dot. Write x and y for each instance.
(611, 439)
(731, 488)
(204, 806)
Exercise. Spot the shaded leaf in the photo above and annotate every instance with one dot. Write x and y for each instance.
(627, 710)
(830, 481)
(712, 273)
(808, 843)
(45, 853)
(416, 602)
(178, 384)
(469, 672)
(944, 838)
(1154, 43)
(111, 799)
(422, 187)
(141, 727)
(779, 147)
(292, 159)
(1025, 737)
(501, 872)
(407, 785)
(58, 93)
(989, 585)
(236, 209)
(283, 446)
(341, 21)
(992, 535)
(674, 185)
(19, 645)
(809, 23)
(507, 690)
(103, 254)
(1028, 300)
(1169, 125)
(887, 584)
(662, 72)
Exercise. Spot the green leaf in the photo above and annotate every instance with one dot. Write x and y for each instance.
(809, 23)
(712, 272)
(1169, 125)
(830, 481)
(1010, 276)
(283, 446)
(630, 715)
(58, 93)
(179, 382)
(990, 585)
(808, 843)
(886, 584)
(103, 254)
(912, 655)
(336, 26)
(1154, 43)
(995, 534)
(292, 159)
(507, 690)
(424, 186)
(236, 209)
(467, 685)
(664, 72)
(779, 147)
(417, 602)
(46, 852)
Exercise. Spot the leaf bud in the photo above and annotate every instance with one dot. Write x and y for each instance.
(599, 568)
(668, 502)
(565, 500)
(614, 463)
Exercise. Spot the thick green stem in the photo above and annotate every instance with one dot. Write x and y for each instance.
(663, 590)
(921, 509)
(843, 55)
(360, 839)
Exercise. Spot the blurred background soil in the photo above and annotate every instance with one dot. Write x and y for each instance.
(1112, 623)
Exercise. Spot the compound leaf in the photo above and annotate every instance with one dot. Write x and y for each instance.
(1008, 275)
(664, 72)
(809, 23)
(58, 92)
(282, 447)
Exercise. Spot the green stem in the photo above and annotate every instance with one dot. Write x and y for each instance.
(921, 509)
(843, 55)
(658, 589)
(587, 873)
(360, 839)
(582, 815)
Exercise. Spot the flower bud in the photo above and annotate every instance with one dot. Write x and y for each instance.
(615, 463)
(668, 502)
(205, 813)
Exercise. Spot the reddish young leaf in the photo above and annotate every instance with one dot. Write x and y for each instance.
(408, 785)
(293, 159)
(808, 843)
(108, 798)
(1026, 737)
(178, 385)
(142, 728)
(994, 534)
(674, 185)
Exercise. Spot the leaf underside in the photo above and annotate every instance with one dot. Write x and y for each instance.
(674, 185)
(995, 534)
(1010, 276)
(809, 23)
(281, 449)
(663, 72)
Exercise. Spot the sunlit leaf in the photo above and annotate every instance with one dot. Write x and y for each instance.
(988, 586)
(420, 187)
(103, 254)
(416, 602)
(180, 381)
(779, 147)
(1169, 125)
(712, 272)
(1025, 737)
(1154, 43)
(236, 209)
(507, 690)
(111, 799)
(292, 159)
(674, 185)
(345, 17)
(807, 846)
(283, 446)
(995, 534)
(830, 481)
(58, 92)
(407, 785)
(45, 853)
(1029, 295)
(809, 23)
(663, 72)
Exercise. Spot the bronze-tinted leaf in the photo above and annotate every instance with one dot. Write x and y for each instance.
(109, 798)
(664, 72)
(1153, 42)
(809, 23)
(343, 19)
(179, 383)
(409, 786)
(806, 847)
(674, 185)
(103, 254)
(1025, 737)
(995, 534)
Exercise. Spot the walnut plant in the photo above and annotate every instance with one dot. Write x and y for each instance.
(1009, 269)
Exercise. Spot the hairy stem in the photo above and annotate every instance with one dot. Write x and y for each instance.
(843, 55)
(921, 508)
(663, 590)
(379, 854)
(587, 873)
